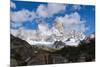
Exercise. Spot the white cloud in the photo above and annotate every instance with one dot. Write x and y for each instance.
(15, 25)
(55, 8)
(44, 30)
(22, 16)
(72, 21)
(23, 33)
(50, 9)
(42, 11)
(12, 5)
(13, 31)
(42, 27)
(63, 24)
(73, 18)
(76, 7)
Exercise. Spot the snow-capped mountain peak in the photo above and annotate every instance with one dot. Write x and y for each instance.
(48, 36)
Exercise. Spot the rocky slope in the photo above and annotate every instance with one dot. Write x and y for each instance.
(20, 51)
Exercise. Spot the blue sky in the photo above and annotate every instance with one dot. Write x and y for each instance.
(86, 15)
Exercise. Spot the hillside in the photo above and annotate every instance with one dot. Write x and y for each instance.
(22, 53)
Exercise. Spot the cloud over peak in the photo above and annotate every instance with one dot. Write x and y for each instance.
(72, 21)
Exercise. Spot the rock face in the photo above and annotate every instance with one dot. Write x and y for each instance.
(58, 44)
(59, 26)
(89, 40)
(21, 51)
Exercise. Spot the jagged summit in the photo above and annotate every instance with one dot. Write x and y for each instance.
(71, 38)
(47, 37)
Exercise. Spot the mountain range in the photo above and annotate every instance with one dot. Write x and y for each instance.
(72, 38)
(47, 37)
(23, 53)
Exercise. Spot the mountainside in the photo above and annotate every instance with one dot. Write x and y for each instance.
(84, 52)
(22, 53)
(58, 42)
(20, 50)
